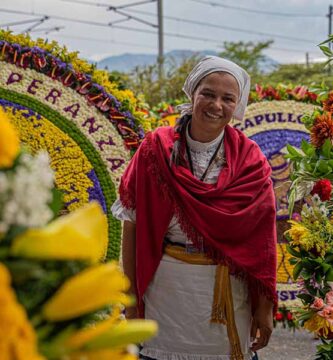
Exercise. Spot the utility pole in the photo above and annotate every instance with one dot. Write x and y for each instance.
(329, 15)
(307, 62)
(160, 58)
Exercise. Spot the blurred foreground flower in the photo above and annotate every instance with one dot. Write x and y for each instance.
(17, 337)
(88, 291)
(81, 235)
(112, 334)
(9, 142)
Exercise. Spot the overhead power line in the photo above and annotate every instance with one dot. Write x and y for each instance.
(190, 37)
(224, 27)
(257, 11)
(200, 23)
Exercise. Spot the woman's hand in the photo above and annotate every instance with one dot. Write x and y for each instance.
(262, 324)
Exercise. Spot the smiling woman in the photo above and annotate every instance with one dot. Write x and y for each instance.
(214, 102)
(194, 226)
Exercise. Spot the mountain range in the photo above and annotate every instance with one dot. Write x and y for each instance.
(127, 62)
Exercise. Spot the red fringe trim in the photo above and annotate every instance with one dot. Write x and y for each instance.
(256, 287)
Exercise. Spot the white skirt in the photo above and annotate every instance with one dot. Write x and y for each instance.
(180, 299)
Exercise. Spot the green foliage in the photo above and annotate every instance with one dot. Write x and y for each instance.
(299, 74)
(325, 350)
(167, 88)
(246, 54)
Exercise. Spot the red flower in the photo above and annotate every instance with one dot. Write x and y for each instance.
(323, 188)
(322, 129)
(328, 103)
(279, 316)
(312, 96)
(289, 316)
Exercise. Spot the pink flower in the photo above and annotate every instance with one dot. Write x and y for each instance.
(329, 298)
(318, 304)
(327, 312)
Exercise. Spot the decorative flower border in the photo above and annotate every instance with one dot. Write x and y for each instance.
(94, 157)
(100, 132)
(44, 62)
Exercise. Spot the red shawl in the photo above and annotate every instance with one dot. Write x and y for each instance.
(234, 218)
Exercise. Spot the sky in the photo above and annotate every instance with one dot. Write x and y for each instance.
(296, 26)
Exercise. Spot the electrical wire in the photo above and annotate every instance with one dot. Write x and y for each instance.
(257, 11)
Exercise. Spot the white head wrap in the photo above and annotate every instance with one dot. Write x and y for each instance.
(211, 64)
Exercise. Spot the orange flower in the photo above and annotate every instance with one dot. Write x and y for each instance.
(322, 129)
(328, 103)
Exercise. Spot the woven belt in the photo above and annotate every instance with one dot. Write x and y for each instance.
(222, 307)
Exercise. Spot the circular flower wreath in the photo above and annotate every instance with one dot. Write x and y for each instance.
(91, 140)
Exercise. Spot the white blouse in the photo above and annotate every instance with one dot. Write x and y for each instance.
(180, 295)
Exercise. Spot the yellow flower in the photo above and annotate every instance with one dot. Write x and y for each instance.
(87, 291)
(102, 355)
(297, 232)
(318, 325)
(170, 119)
(123, 333)
(81, 234)
(17, 337)
(112, 333)
(77, 340)
(9, 142)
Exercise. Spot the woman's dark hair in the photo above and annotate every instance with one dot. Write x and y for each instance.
(180, 129)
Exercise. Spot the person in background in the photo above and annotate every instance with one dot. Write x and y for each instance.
(199, 237)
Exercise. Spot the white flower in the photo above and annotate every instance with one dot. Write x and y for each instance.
(303, 189)
(305, 211)
(316, 199)
(323, 211)
(27, 199)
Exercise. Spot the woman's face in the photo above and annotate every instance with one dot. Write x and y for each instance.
(214, 102)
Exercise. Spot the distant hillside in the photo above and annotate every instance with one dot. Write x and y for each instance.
(127, 62)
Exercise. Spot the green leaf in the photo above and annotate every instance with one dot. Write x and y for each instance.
(291, 201)
(297, 270)
(329, 275)
(329, 39)
(292, 151)
(307, 298)
(326, 148)
(326, 267)
(293, 261)
(322, 166)
(57, 204)
(307, 148)
(293, 252)
(326, 50)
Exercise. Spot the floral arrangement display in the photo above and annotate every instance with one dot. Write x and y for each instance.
(283, 92)
(285, 318)
(311, 233)
(58, 63)
(89, 127)
(59, 299)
